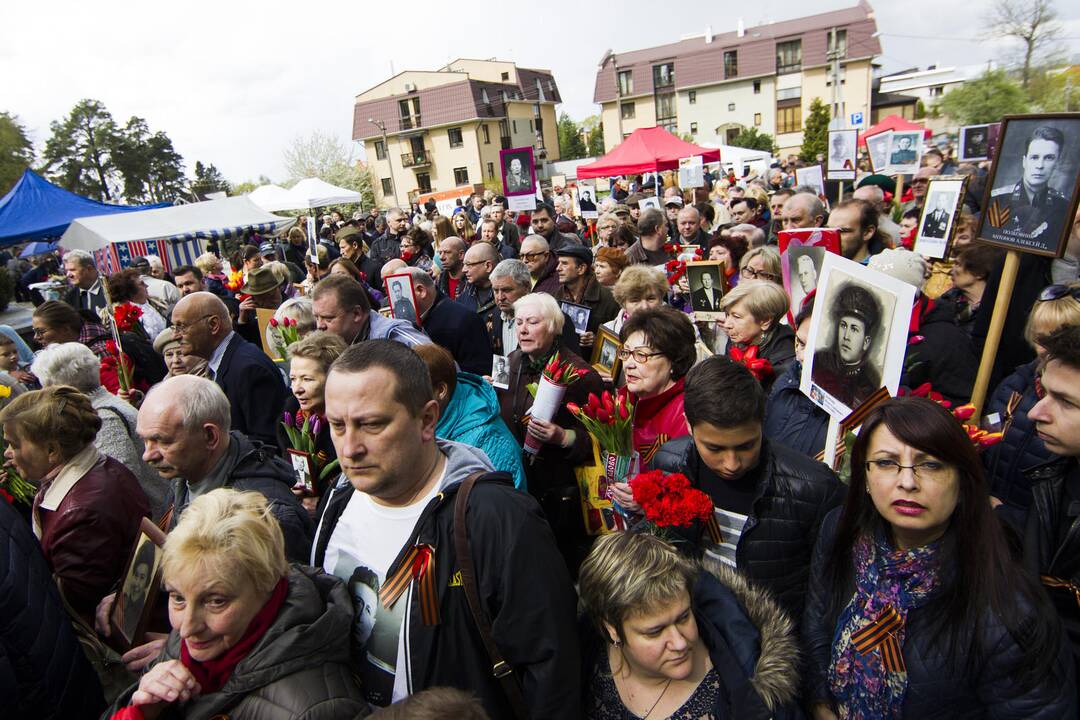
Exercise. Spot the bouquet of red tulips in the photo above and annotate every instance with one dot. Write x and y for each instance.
(309, 463)
(115, 359)
(555, 378)
(608, 419)
(285, 333)
(127, 318)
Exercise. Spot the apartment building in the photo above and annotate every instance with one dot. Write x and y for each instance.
(712, 86)
(439, 133)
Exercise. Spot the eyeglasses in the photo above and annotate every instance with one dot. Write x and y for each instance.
(180, 328)
(640, 356)
(533, 255)
(929, 470)
(1056, 292)
(759, 274)
(475, 263)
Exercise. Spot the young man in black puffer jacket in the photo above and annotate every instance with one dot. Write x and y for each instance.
(768, 501)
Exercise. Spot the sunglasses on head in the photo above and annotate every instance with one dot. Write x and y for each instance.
(1056, 292)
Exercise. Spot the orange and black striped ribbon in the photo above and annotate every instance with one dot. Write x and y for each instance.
(1010, 410)
(1061, 584)
(856, 417)
(713, 528)
(880, 635)
(647, 453)
(418, 564)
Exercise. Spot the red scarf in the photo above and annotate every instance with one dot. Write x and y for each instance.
(212, 674)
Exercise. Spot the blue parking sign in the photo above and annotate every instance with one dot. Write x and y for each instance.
(856, 119)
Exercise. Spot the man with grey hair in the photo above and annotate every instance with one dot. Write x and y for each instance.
(86, 292)
(341, 306)
(254, 386)
(803, 210)
(542, 264)
(451, 325)
(874, 195)
(688, 223)
(511, 280)
(389, 244)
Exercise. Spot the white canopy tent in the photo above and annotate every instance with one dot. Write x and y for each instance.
(307, 194)
(737, 157)
(175, 234)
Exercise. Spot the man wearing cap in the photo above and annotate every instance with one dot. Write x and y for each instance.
(844, 370)
(672, 206)
(633, 201)
(161, 290)
(543, 224)
(578, 285)
(649, 248)
(263, 290)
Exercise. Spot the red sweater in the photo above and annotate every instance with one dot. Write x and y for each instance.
(657, 420)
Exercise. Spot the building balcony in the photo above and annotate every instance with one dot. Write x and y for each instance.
(411, 122)
(415, 159)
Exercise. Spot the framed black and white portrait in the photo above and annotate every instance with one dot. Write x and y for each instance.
(578, 314)
(134, 605)
(841, 160)
(706, 280)
(585, 199)
(976, 143)
(605, 357)
(402, 298)
(1032, 191)
(811, 176)
(937, 224)
(500, 372)
(858, 335)
(877, 147)
(518, 171)
(905, 152)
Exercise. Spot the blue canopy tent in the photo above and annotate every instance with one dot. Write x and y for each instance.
(35, 209)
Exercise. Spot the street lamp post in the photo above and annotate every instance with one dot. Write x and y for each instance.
(386, 148)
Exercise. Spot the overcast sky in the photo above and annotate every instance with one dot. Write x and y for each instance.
(234, 86)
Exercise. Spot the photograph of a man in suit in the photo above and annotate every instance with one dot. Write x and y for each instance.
(586, 201)
(517, 179)
(936, 222)
(401, 308)
(707, 297)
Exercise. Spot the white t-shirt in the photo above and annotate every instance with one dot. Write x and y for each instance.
(368, 537)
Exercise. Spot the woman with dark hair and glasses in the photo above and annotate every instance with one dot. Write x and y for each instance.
(1020, 449)
(916, 607)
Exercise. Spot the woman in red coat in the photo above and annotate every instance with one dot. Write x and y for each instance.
(658, 350)
(89, 507)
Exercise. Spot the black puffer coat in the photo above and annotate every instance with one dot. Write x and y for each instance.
(791, 418)
(43, 672)
(935, 689)
(298, 669)
(795, 494)
(1020, 449)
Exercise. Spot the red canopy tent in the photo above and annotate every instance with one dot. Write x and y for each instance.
(893, 122)
(646, 150)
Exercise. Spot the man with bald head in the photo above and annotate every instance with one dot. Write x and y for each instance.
(875, 196)
(688, 223)
(477, 294)
(803, 210)
(252, 383)
(451, 255)
(542, 264)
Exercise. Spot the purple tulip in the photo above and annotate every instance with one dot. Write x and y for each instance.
(288, 419)
(315, 425)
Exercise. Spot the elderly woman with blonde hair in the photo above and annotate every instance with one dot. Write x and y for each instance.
(672, 638)
(75, 365)
(753, 312)
(251, 636)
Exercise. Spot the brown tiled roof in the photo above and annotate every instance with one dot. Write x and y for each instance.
(443, 104)
(698, 62)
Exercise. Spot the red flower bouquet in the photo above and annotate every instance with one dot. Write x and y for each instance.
(555, 378)
(609, 420)
(670, 500)
(285, 333)
(118, 362)
(126, 316)
(760, 368)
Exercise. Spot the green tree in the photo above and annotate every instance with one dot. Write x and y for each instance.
(754, 140)
(208, 179)
(16, 151)
(571, 144)
(984, 99)
(1032, 22)
(151, 168)
(325, 157)
(815, 131)
(79, 153)
(1056, 90)
(593, 129)
(243, 188)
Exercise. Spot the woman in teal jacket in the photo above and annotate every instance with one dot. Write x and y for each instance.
(469, 413)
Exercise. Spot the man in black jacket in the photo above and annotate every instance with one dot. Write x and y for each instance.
(769, 501)
(542, 223)
(1052, 535)
(387, 529)
(254, 385)
(389, 245)
(452, 325)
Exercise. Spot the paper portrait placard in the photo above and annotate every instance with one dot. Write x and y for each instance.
(941, 208)
(841, 159)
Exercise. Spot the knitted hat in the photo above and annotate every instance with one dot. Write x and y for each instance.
(901, 264)
(614, 257)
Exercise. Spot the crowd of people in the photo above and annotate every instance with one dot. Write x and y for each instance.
(351, 527)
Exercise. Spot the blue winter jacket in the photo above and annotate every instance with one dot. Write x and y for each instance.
(791, 419)
(472, 418)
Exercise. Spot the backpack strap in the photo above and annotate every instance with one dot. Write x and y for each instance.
(499, 667)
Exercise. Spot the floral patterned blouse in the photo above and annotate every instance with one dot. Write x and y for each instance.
(603, 701)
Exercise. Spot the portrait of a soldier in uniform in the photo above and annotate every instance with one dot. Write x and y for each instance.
(1032, 186)
(845, 367)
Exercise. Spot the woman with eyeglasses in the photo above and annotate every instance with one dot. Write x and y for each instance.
(752, 321)
(414, 249)
(916, 606)
(1058, 306)
(761, 263)
(605, 228)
